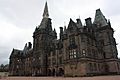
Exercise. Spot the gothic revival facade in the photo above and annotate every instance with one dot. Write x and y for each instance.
(81, 50)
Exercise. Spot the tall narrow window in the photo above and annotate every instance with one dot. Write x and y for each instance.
(60, 60)
(74, 54)
(83, 52)
(93, 53)
(90, 67)
(101, 42)
(72, 40)
(118, 66)
(82, 38)
(95, 67)
(49, 62)
(88, 40)
(53, 61)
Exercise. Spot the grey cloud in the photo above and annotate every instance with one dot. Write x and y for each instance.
(25, 15)
(112, 8)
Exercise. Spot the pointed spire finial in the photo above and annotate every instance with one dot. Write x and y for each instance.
(109, 22)
(54, 30)
(65, 30)
(46, 13)
(64, 23)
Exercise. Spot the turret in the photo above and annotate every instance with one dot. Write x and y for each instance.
(55, 34)
(61, 32)
(29, 45)
(45, 25)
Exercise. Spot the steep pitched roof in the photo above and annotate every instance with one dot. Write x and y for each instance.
(79, 23)
(15, 52)
(72, 24)
(43, 23)
(100, 18)
(46, 21)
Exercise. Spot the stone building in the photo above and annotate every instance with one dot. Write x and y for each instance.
(81, 50)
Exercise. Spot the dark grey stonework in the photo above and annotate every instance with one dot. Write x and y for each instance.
(82, 50)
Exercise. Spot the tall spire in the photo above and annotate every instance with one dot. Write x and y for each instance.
(46, 14)
(46, 21)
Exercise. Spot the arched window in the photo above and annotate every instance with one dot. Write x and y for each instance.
(90, 67)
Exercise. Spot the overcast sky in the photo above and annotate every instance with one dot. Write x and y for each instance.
(18, 19)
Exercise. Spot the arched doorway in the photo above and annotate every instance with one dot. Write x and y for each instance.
(53, 72)
(61, 72)
(49, 72)
(106, 68)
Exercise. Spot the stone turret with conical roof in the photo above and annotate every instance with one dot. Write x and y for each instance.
(100, 19)
(43, 37)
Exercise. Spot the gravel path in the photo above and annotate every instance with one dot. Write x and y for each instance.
(64, 78)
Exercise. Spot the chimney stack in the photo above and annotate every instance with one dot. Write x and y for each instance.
(88, 22)
(61, 32)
